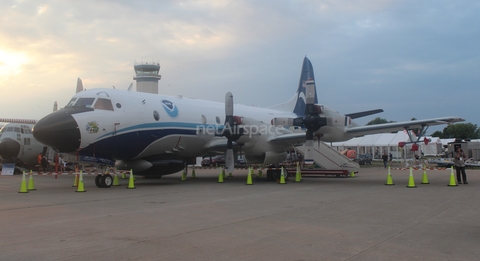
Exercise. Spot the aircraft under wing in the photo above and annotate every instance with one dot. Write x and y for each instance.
(293, 138)
(396, 126)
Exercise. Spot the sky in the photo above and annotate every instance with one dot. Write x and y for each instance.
(414, 59)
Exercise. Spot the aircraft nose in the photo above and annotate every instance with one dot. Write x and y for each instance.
(58, 130)
(9, 148)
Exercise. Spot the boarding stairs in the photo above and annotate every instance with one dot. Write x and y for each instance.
(329, 159)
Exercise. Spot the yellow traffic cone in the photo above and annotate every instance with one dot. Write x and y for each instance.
(411, 181)
(352, 174)
(193, 172)
(249, 176)
(282, 177)
(124, 175)
(81, 187)
(424, 177)
(75, 180)
(131, 181)
(389, 178)
(453, 182)
(184, 175)
(223, 172)
(23, 186)
(31, 186)
(115, 180)
(298, 174)
(220, 177)
(260, 174)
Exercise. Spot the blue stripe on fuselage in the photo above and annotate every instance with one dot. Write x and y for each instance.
(115, 146)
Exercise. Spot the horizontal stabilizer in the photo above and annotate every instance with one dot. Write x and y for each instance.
(363, 113)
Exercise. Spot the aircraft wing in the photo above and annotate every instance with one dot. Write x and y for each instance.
(396, 126)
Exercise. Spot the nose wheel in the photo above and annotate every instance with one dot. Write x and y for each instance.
(104, 181)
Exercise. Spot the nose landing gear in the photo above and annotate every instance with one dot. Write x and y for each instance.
(104, 181)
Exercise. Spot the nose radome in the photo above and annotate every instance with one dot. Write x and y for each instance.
(9, 148)
(58, 130)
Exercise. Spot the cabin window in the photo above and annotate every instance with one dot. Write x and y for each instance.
(17, 129)
(204, 119)
(103, 104)
(217, 119)
(118, 105)
(156, 116)
(26, 141)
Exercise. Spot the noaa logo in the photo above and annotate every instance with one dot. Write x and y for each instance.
(170, 108)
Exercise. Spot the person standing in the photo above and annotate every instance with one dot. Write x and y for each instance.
(39, 161)
(385, 159)
(460, 158)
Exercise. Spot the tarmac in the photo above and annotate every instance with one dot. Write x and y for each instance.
(320, 218)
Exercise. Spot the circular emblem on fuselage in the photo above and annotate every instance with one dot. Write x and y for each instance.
(92, 127)
(170, 108)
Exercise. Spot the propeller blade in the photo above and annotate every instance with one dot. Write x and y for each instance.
(229, 104)
(309, 91)
(229, 161)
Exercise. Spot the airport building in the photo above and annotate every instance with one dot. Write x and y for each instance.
(147, 77)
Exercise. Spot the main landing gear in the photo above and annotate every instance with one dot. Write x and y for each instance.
(104, 181)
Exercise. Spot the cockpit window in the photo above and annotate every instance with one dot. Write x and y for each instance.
(103, 104)
(71, 102)
(84, 102)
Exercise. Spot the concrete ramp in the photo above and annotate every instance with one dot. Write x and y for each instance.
(330, 159)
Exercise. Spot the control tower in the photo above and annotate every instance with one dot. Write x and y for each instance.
(147, 77)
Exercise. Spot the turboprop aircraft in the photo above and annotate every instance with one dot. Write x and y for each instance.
(156, 135)
(17, 144)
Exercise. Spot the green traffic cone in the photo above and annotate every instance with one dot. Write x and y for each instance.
(424, 177)
(249, 176)
(23, 185)
(115, 180)
(282, 177)
(453, 182)
(411, 181)
(80, 187)
(131, 181)
(31, 186)
(184, 176)
(389, 178)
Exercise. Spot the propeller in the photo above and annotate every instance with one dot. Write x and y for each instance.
(231, 131)
(311, 120)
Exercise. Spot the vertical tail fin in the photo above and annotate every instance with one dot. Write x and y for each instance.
(306, 74)
(79, 86)
(298, 101)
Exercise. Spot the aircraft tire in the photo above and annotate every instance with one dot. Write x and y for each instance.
(98, 181)
(106, 180)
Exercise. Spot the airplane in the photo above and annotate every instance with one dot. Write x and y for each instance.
(156, 135)
(17, 144)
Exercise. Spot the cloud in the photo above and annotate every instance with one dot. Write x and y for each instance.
(370, 53)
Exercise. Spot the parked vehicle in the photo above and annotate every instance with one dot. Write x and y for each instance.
(213, 161)
(364, 159)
